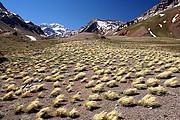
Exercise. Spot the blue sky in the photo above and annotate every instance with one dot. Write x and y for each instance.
(76, 13)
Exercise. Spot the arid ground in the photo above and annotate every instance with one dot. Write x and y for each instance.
(91, 78)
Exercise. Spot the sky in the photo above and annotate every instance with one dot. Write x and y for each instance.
(74, 14)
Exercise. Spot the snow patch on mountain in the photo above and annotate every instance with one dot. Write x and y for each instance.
(174, 18)
(151, 32)
(55, 30)
(161, 15)
(31, 37)
(160, 25)
(164, 21)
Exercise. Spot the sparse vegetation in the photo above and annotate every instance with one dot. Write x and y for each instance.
(98, 88)
(131, 91)
(151, 82)
(157, 90)
(61, 112)
(111, 95)
(113, 115)
(80, 76)
(94, 97)
(34, 106)
(19, 109)
(91, 105)
(127, 101)
(73, 113)
(55, 92)
(165, 75)
(43, 113)
(8, 96)
(149, 101)
(173, 82)
(88, 75)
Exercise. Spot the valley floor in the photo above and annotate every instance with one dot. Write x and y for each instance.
(136, 78)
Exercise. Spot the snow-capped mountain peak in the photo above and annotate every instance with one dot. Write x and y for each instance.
(55, 30)
(102, 26)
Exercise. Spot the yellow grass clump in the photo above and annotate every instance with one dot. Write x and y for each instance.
(40, 95)
(148, 101)
(173, 82)
(55, 92)
(73, 113)
(56, 84)
(90, 84)
(48, 79)
(94, 97)
(19, 109)
(157, 90)
(18, 92)
(140, 86)
(123, 80)
(8, 96)
(69, 88)
(99, 72)
(91, 105)
(164, 75)
(98, 88)
(34, 106)
(44, 113)
(76, 97)
(54, 71)
(151, 82)
(58, 101)
(105, 78)
(80, 75)
(174, 69)
(25, 94)
(61, 112)
(109, 95)
(111, 83)
(113, 115)
(138, 81)
(127, 101)
(131, 91)
(11, 87)
(94, 77)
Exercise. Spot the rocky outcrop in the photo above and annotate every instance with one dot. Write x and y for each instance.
(2, 58)
(163, 5)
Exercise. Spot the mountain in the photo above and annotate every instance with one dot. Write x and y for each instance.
(103, 27)
(11, 23)
(163, 20)
(56, 30)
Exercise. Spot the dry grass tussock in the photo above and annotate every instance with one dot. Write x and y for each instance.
(173, 82)
(113, 115)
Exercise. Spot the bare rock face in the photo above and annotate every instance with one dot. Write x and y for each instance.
(2, 58)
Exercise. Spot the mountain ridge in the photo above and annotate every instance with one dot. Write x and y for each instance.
(11, 23)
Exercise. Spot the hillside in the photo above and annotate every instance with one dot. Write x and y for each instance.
(165, 24)
(13, 24)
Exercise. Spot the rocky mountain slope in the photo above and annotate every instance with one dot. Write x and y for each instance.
(11, 23)
(56, 30)
(163, 20)
(103, 27)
